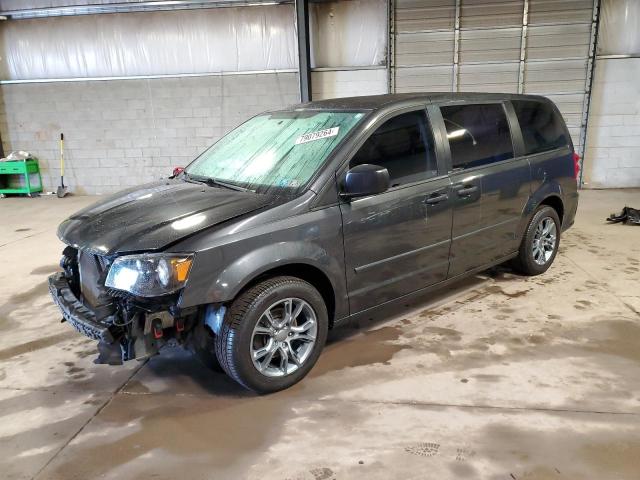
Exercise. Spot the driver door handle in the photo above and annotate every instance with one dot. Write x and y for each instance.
(436, 198)
(467, 191)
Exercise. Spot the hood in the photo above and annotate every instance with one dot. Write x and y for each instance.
(153, 216)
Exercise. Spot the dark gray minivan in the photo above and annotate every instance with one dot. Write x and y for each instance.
(301, 218)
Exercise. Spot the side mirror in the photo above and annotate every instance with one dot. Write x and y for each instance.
(365, 179)
(177, 171)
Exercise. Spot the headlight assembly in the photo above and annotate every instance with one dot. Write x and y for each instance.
(149, 274)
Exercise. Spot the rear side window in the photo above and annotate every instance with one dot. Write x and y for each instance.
(542, 128)
(404, 146)
(478, 134)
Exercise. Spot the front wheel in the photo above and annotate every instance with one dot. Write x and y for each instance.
(273, 334)
(540, 242)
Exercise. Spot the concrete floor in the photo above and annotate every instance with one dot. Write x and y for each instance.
(501, 377)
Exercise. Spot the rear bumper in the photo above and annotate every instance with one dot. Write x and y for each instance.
(74, 311)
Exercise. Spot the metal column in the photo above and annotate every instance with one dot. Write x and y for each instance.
(391, 43)
(523, 46)
(593, 46)
(304, 55)
(456, 49)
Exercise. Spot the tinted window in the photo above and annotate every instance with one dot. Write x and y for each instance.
(404, 146)
(478, 134)
(542, 128)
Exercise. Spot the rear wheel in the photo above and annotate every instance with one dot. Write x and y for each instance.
(540, 243)
(273, 334)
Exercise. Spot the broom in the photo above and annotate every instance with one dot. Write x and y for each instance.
(62, 190)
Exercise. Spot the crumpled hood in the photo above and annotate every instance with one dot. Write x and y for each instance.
(153, 216)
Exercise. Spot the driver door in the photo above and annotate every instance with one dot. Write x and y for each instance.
(398, 241)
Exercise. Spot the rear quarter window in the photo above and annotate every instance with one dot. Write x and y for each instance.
(542, 128)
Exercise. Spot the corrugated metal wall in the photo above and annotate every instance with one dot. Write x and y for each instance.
(518, 46)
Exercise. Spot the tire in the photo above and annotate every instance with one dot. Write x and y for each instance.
(247, 332)
(534, 257)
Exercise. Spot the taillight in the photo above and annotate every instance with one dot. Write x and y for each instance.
(576, 165)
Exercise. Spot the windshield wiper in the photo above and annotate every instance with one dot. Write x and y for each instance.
(212, 182)
(232, 186)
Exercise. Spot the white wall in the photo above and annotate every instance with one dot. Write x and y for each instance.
(121, 133)
(612, 157)
(348, 83)
(348, 33)
(619, 24)
(149, 43)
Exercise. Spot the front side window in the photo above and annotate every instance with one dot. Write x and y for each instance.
(280, 150)
(478, 134)
(542, 129)
(404, 146)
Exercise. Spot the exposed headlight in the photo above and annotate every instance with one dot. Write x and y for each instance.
(149, 274)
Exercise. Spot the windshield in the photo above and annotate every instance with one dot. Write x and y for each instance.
(275, 150)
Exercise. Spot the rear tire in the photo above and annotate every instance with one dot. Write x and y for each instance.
(540, 242)
(272, 334)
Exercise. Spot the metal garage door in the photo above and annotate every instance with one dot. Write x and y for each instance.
(519, 46)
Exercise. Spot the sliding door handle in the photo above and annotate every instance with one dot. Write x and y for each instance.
(436, 198)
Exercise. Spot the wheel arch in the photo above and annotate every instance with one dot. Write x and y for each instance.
(555, 202)
(549, 193)
(306, 260)
(304, 271)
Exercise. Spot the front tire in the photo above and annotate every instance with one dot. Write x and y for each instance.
(540, 242)
(273, 334)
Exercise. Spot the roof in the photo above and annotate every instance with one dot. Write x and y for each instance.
(373, 102)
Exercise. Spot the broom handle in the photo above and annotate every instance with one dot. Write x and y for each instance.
(62, 157)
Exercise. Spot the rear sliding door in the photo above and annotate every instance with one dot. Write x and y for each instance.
(489, 184)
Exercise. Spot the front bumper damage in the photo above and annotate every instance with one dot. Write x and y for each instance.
(74, 311)
(125, 327)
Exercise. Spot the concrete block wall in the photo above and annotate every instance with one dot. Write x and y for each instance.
(348, 83)
(120, 133)
(612, 155)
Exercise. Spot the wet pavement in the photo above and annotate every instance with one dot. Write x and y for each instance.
(499, 377)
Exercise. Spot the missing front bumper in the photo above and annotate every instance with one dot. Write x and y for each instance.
(75, 313)
(129, 333)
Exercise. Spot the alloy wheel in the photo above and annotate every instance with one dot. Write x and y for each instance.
(284, 337)
(544, 241)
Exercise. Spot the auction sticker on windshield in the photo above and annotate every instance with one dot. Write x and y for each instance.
(320, 134)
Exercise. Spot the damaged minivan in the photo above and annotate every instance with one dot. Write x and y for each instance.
(302, 218)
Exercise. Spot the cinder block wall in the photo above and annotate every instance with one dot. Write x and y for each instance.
(349, 83)
(120, 133)
(612, 156)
